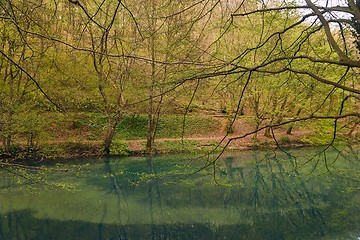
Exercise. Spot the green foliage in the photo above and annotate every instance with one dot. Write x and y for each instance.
(94, 92)
(133, 127)
(68, 149)
(324, 131)
(119, 148)
(172, 126)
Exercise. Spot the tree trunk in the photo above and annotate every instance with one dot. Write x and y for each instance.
(267, 132)
(289, 130)
(151, 118)
(7, 131)
(108, 140)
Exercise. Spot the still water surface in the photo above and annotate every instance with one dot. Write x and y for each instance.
(247, 195)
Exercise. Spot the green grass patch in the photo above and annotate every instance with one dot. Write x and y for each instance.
(323, 132)
(169, 126)
(177, 146)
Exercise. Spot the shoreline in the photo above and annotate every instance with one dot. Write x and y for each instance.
(76, 143)
(63, 151)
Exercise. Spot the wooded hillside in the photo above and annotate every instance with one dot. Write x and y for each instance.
(116, 68)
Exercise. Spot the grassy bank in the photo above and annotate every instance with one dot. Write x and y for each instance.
(81, 135)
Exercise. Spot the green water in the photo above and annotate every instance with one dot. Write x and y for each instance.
(247, 195)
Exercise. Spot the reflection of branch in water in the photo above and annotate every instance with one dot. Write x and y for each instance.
(321, 155)
(150, 198)
(115, 187)
(277, 186)
(154, 184)
(110, 175)
(1, 228)
(298, 192)
(15, 226)
(258, 182)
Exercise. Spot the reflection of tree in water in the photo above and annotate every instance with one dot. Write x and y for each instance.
(283, 194)
(265, 197)
(25, 225)
(115, 189)
(153, 206)
(154, 198)
(278, 200)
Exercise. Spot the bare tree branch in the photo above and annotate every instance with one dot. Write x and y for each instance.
(91, 18)
(328, 33)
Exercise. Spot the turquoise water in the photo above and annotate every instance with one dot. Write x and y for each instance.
(298, 194)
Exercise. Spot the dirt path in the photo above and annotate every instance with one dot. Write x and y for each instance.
(240, 128)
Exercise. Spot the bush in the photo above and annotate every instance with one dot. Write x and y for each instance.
(119, 148)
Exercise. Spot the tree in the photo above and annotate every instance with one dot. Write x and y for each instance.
(20, 69)
(316, 47)
(151, 51)
(112, 37)
(168, 42)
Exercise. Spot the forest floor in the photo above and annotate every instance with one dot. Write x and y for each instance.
(240, 138)
(208, 132)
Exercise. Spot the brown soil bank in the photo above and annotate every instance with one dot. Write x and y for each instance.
(83, 141)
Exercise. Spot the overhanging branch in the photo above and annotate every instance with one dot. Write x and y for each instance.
(327, 30)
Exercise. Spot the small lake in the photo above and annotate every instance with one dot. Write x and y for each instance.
(296, 194)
